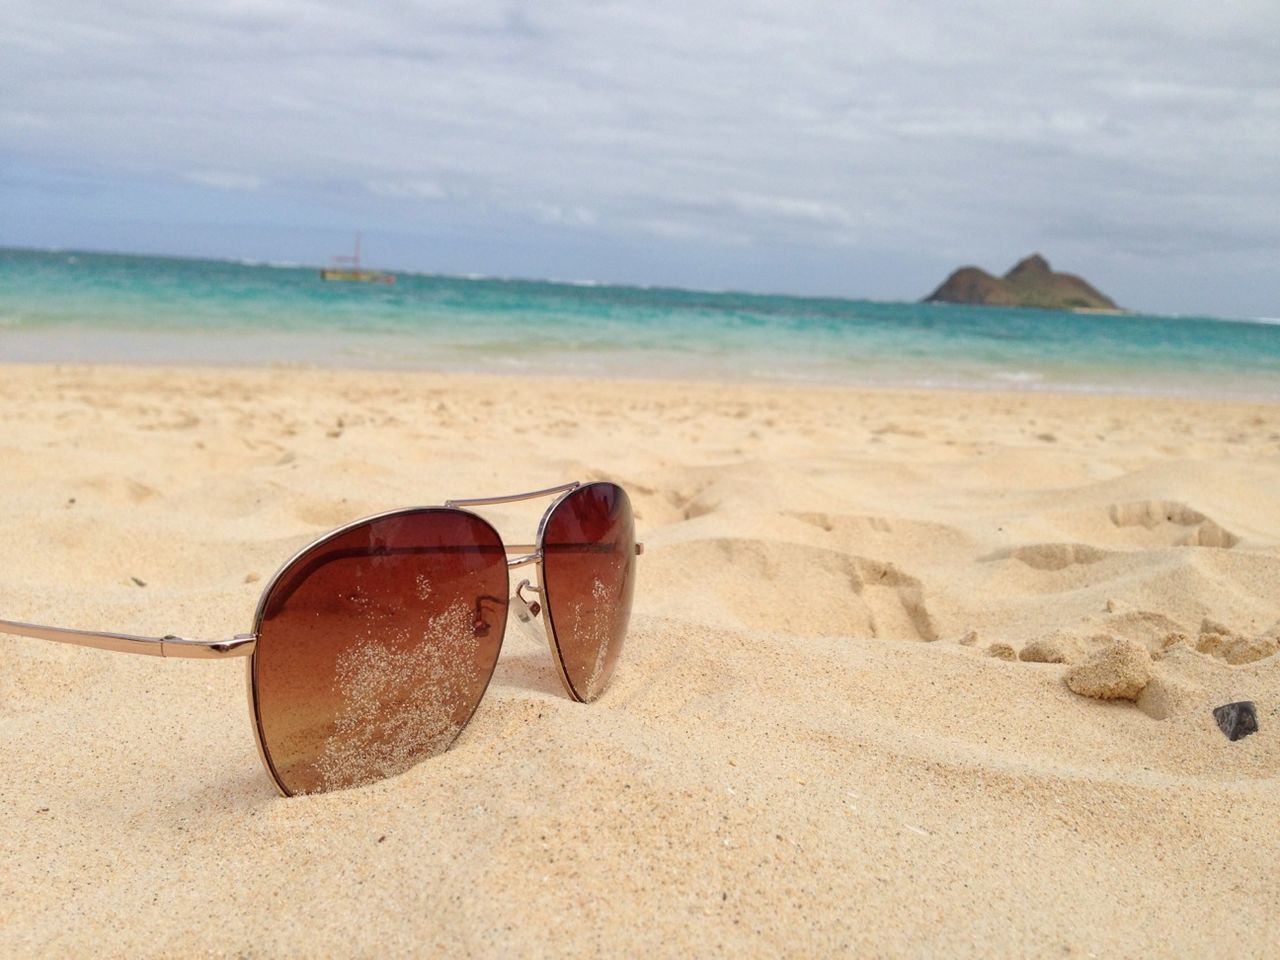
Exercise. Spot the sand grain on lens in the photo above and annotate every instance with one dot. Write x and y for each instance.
(401, 698)
(593, 629)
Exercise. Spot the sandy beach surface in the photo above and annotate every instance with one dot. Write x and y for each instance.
(820, 740)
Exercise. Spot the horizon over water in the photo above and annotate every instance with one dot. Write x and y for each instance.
(72, 306)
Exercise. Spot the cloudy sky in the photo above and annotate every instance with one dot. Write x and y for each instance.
(809, 146)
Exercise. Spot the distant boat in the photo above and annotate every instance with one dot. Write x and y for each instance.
(349, 269)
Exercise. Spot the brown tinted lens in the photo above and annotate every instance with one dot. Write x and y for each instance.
(589, 563)
(375, 647)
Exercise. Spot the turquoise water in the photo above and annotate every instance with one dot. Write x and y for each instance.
(65, 306)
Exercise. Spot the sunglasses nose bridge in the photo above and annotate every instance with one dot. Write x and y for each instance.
(525, 558)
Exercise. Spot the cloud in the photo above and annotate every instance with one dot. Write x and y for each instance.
(796, 209)
(555, 214)
(919, 126)
(413, 189)
(222, 180)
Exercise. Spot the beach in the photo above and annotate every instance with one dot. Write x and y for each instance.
(819, 739)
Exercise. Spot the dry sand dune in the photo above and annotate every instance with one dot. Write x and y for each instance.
(820, 740)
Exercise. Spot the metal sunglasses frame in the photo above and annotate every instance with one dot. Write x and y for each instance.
(533, 615)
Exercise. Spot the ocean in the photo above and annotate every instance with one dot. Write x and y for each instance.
(65, 306)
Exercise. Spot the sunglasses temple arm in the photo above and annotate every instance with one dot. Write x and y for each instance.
(240, 645)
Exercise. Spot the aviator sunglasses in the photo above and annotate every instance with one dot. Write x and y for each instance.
(372, 647)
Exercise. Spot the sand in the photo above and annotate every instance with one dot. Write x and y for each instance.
(820, 739)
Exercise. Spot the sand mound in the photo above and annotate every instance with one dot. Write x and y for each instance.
(1118, 671)
(1219, 640)
(1056, 648)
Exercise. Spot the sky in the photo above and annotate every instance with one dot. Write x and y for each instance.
(858, 149)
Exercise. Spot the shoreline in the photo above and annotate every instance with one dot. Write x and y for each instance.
(1011, 382)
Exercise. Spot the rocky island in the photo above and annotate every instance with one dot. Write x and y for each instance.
(1031, 283)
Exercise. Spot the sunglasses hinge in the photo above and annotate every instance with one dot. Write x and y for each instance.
(241, 645)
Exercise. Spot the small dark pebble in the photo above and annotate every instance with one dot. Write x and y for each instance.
(1237, 720)
(141, 583)
(43, 810)
(381, 838)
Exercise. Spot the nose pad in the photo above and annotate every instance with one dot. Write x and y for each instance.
(527, 611)
(533, 606)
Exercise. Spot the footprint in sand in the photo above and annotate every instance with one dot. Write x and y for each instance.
(1171, 524)
(325, 513)
(1051, 556)
(798, 589)
(878, 533)
(123, 490)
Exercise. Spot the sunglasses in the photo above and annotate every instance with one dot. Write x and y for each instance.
(372, 647)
